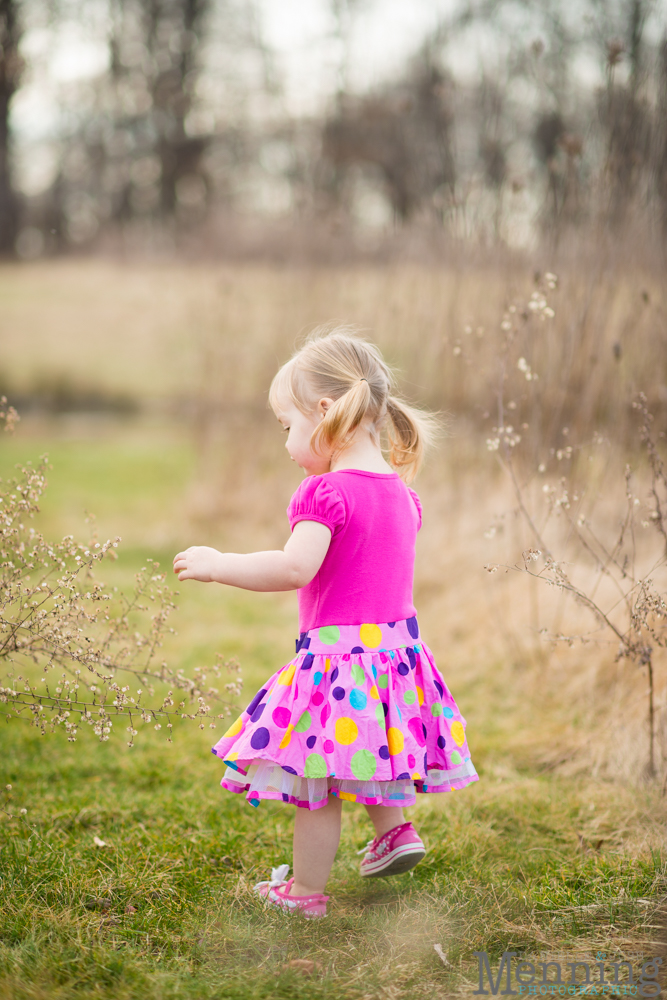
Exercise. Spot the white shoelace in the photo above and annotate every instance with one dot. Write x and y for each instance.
(278, 877)
(364, 850)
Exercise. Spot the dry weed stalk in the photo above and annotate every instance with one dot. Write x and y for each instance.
(636, 617)
(57, 619)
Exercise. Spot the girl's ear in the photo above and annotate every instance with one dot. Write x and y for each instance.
(323, 406)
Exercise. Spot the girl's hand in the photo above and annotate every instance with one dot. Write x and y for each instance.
(199, 562)
(289, 569)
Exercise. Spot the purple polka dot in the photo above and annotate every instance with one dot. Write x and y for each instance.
(324, 715)
(328, 746)
(317, 698)
(255, 701)
(302, 641)
(357, 649)
(334, 674)
(384, 752)
(260, 738)
(439, 687)
(411, 760)
(424, 730)
(257, 714)
(403, 669)
(311, 741)
(404, 774)
(413, 627)
(425, 765)
(338, 693)
(391, 624)
(290, 770)
(441, 742)
(385, 709)
(285, 797)
(213, 750)
(411, 656)
(415, 727)
(281, 717)
(308, 661)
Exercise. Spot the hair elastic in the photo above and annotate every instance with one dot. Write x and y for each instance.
(363, 380)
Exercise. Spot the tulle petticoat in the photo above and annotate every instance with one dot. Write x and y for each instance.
(360, 712)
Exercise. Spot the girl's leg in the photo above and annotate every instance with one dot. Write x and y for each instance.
(385, 818)
(316, 837)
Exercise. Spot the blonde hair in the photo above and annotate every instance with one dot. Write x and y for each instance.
(339, 364)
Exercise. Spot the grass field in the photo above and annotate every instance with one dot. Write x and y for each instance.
(552, 859)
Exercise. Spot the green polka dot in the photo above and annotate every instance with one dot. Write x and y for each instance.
(303, 725)
(329, 635)
(436, 709)
(379, 714)
(383, 680)
(358, 675)
(455, 757)
(315, 766)
(363, 765)
(409, 697)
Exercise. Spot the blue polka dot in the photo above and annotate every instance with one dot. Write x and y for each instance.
(290, 770)
(255, 701)
(307, 661)
(311, 741)
(358, 699)
(375, 671)
(447, 712)
(338, 693)
(384, 752)
(413, 627)
(257, 714)
(357, 649)
(403, 669)
(317, 677)
(260, 738)
(439, 687)
(403, 775)
(441, 742)
(411, 656)
(334, 674)
(254, 802)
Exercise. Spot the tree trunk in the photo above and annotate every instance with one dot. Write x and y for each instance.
(11, 66)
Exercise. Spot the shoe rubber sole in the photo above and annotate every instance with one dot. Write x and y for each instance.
(400, 860)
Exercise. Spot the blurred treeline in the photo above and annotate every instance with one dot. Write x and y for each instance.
(556, 130)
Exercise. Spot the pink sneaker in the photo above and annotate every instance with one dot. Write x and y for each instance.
(395, 852)
(276, 892)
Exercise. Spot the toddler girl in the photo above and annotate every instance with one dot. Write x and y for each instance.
(361, 712)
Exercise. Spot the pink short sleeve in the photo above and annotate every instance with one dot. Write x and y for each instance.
(418, 505)
(317, 500)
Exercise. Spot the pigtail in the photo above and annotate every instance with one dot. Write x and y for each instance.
(343, 417)
(410, 432)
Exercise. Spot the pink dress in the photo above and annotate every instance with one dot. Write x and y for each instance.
(361, 711)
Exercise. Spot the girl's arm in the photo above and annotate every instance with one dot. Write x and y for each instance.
(290, 569)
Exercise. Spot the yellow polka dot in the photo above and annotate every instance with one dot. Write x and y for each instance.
(287, 675)
(420, 695)
(347, 795)
(374, 692)
(231, 756)
(394, 740)
(285, 741)
(416, 776)
(235, 728)
(458, 734)
(327, 665)
(370, 635)
(346, 730)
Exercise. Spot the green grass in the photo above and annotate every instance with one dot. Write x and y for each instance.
(522, 860)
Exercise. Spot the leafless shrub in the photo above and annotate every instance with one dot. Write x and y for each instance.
(631, 611)
(73, 651)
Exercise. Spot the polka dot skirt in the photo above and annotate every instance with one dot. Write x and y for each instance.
(362, 712)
